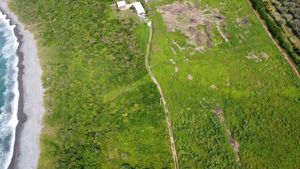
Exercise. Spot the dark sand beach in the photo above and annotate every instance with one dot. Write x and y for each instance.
(30, 108)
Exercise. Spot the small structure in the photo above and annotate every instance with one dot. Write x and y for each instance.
(121, 5)
(139, 8)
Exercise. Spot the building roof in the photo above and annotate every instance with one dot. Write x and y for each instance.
(121, 4)
(139, 8)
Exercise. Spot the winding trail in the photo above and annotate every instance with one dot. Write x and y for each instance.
(169, 124)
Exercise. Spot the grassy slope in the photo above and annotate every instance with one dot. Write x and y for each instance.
(103, 110)
(261, 104)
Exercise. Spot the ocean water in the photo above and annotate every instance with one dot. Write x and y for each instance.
(9, 94)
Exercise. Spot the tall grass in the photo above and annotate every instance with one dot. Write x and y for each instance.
(102, 109)
(260, 100)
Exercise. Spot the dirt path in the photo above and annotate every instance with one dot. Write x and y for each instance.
(286, 57)
(169, 124)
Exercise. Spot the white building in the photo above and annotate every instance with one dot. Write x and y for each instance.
(139, 8)
(121, 5)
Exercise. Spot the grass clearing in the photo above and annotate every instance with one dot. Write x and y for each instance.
(260, 100)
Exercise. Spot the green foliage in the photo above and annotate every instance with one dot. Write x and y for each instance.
(276, 31)
(260, 100)
(105, 110)
(291, 11)
(107, 113)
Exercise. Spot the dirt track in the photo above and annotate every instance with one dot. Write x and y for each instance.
(169, 124)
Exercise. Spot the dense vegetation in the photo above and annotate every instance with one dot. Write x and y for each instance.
(103, 110)
(291, 13)
(259, 99)
(275, 23)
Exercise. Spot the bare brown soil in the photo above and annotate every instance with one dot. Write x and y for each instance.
(234, 144)
(243, 21)
(257, 57)
(194, 23)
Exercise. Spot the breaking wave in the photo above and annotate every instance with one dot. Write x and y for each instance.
(9, 93)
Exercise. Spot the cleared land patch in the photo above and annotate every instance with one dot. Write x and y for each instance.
(257, 57)
(194, 23)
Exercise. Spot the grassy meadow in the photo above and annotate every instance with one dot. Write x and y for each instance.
(103, 111)
(260, 100)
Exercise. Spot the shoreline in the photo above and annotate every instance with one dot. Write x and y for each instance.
(26, 150)
(21, 116)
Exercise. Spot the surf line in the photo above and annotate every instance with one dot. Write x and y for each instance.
(11, 95)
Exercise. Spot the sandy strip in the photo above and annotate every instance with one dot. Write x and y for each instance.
(27, 150)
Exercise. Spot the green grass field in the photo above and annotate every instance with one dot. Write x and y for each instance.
(103, 110)
(260, 100)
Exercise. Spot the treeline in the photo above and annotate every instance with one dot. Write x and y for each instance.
(277, 32)
(291, 12)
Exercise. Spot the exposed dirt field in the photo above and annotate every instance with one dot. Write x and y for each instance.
(190, 77)
(257, 57)
(234, 144)
(195, 23)
(243, 21)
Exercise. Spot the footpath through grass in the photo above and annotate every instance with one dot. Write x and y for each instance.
(103, 111)
(260, 99)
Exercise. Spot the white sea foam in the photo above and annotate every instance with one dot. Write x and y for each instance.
(8, 116)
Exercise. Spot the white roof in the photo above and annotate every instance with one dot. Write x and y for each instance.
(139, 8)
(121, 4)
